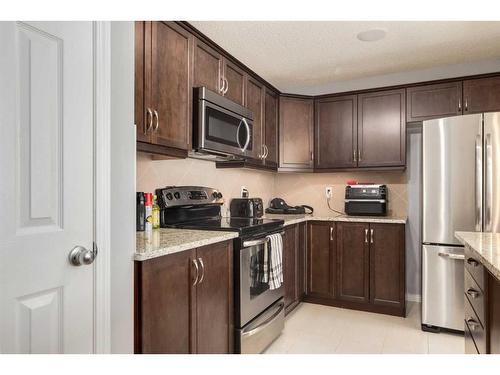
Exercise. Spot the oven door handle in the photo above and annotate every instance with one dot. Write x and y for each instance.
(256, 242)
(266, 323)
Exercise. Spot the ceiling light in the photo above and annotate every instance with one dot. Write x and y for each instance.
(371, 35)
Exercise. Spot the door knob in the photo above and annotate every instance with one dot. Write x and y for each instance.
(79, 255)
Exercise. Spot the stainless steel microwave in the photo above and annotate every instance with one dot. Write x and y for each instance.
(221, 126)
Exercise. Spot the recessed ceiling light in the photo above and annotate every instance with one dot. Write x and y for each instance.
(371, 35)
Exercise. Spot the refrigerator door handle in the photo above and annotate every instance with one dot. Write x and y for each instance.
(488, 188)
(478, 194)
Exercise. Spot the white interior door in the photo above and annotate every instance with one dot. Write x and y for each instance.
(46, 186)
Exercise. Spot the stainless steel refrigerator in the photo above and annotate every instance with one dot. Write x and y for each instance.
(461, 167)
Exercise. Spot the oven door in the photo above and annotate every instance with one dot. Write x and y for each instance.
(223, 131)
(255, 293)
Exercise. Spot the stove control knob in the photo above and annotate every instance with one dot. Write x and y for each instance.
(219, 195)
(215, 195)
(169, 196)
(177, 195)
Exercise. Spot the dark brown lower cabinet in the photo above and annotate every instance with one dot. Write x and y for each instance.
(180, 310)
(294, 249)
(357, 265)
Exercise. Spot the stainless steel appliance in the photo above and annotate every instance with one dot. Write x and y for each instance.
(221, 126)
(259, 310)
(460, 168)
(246, 207)
(366, 199)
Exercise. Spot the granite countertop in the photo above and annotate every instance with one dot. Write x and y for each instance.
(486, 246)
(295, 219)
(165, 241)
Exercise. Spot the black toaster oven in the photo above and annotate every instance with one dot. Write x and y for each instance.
(369, 200)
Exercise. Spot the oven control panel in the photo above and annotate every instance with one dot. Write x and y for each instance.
(172, 196)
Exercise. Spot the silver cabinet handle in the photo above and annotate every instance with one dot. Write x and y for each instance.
(452, 256)
(472, 262)
(459, 105)
(149, 114)
(359, 155)
(466, 105)
(222, 83)
(202, 269)
(226, 85)
(473, 293)
(473, 324)
(248, 134)
(366, 235)
(354, 155)
(80, 256)
(371, 235)
(266, 150)
(157, 120)
(261, 155)
(195, 262)
(331, 233)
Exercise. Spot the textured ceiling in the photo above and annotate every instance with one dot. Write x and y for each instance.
(297, 56)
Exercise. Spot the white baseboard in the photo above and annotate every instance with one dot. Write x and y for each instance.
(413, 297)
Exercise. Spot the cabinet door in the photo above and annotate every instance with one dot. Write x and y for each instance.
(170, 93)
(255, 102)
(301, 260)
(207, 67)
(433, 101)
(235, 81)
(296, 133)
(387, 265)
(482, 95)
(271, 126)
(166, 304)
(290, 263)
(353, 261)
(382, 129)
(336, 132)
(320, 259)
(140, 118)
(214, 305)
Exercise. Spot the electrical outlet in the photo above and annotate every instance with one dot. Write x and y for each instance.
(328, 192)
(244, 192)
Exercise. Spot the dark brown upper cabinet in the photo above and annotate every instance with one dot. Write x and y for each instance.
(207, 67)
(382, 129)
(482, 95)
(296, 133)
(255, 102)
(271, 121)
(234, 82)
(433, 101)
(336, 132)
(321, 259)
(163, 95)
(353, 262)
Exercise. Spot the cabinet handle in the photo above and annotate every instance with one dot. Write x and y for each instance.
(227, 86)
(459, 105)
(466, 105)
(312, 156)
(197, 271)
(354, 155)
(472, 262)
(366, 235)
(473, 324)
(371, 235)
(157, 120)
(203, 271)
(267, 152)
(149, 114)
(473, 293)
(331, 233)
(359, 155)
(222, 83)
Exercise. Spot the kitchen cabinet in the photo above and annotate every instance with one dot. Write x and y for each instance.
(294, 263)
(321, 259)
(336, 132)
(302, 260)
(296, 133)
(207, 67)
(271, 122)
(353, 262)
(255, 102)
(184, 302)
(235, 80)
(481, 95)
(382, 129)
(433, 101)
(164, 119)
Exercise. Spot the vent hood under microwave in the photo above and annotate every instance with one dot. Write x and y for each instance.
(221, 127)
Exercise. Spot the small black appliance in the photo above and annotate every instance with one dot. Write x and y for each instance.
(246, 207)
(366, 199)
(279, 206)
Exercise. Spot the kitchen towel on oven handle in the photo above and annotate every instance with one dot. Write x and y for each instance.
(276, 261)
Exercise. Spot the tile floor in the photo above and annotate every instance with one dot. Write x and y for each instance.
(326, 330)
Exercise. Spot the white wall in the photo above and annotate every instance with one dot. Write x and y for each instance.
(122, 186)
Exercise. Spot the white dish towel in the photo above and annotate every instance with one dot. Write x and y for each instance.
(276, 261)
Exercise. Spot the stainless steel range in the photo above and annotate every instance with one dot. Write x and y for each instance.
(259, 309)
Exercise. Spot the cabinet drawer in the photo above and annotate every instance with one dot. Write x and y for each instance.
(470, 345)
(475, 296)
(476, 329)
(474, 266)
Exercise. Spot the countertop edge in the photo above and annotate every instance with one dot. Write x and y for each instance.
(359, 219)
(492, 269)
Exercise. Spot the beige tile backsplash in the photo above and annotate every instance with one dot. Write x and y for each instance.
(295, 188)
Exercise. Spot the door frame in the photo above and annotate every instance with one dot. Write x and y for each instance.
(101, 40)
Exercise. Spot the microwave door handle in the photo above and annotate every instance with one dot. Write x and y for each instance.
(248, 134)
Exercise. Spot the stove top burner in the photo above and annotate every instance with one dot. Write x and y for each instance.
(237, 224)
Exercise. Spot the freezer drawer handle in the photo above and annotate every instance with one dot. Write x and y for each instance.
(473, 262)
(452, 256)
(265, 324)
(473, 293)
